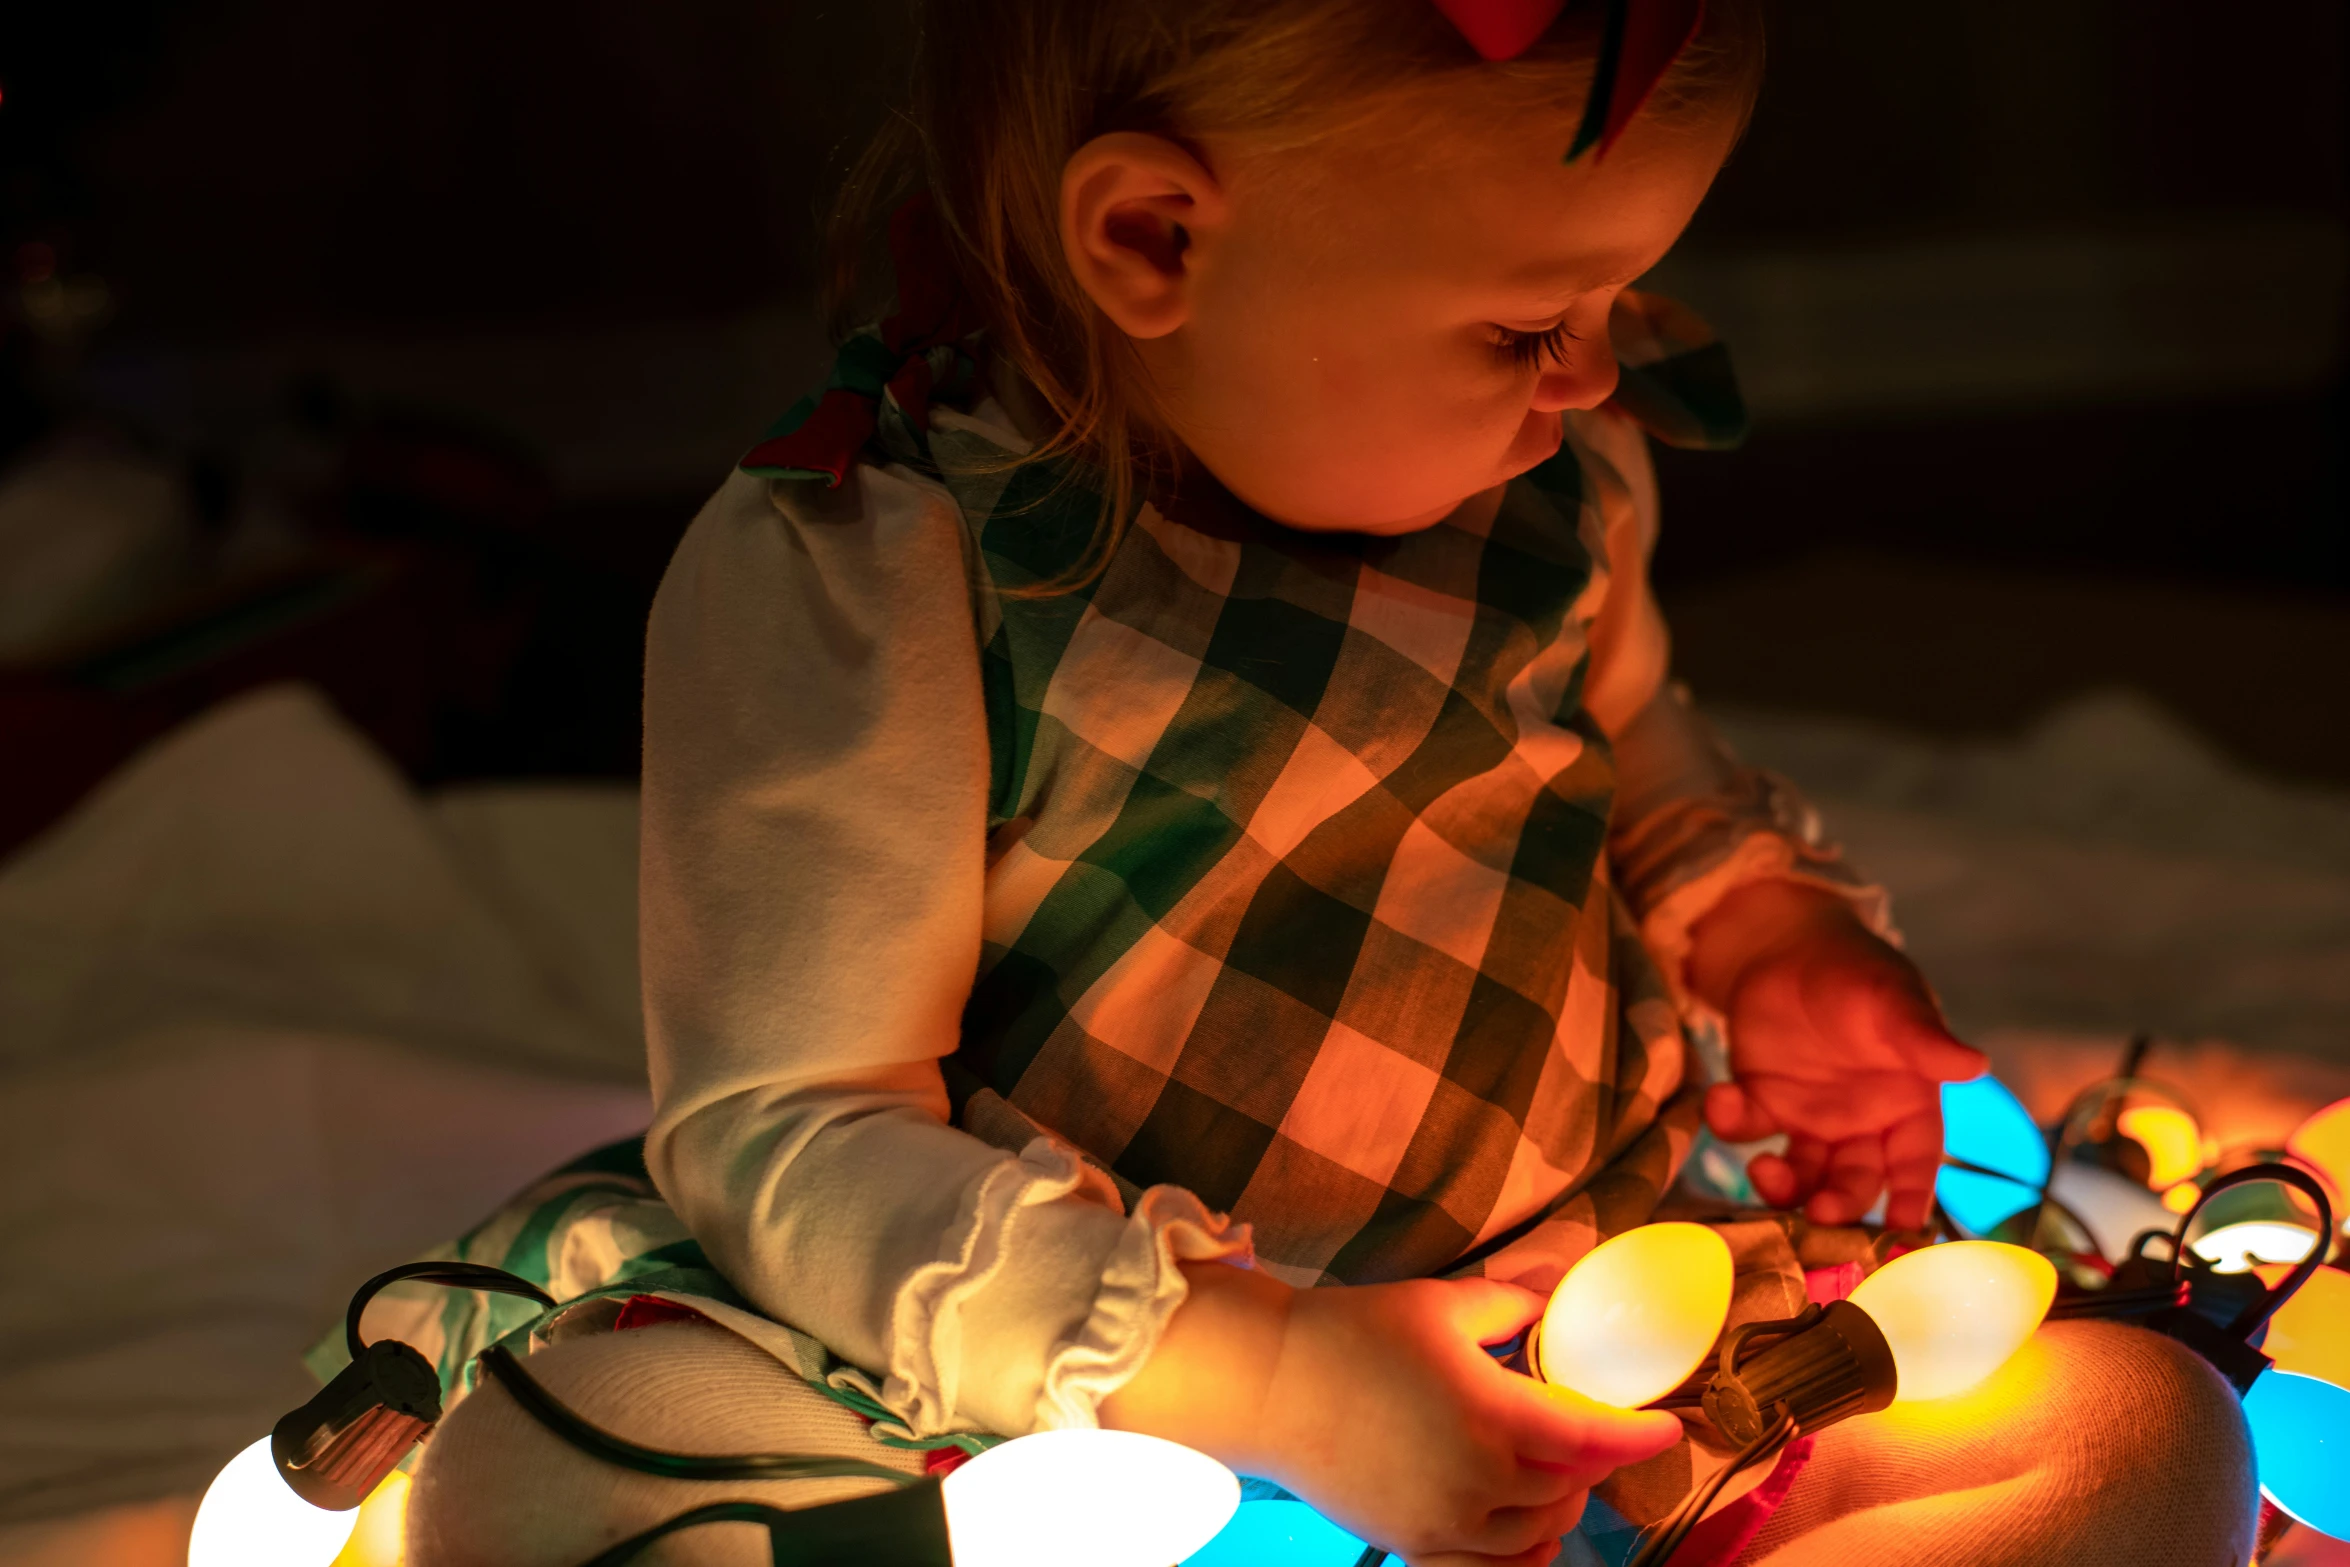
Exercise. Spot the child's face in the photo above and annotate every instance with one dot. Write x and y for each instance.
(1343, 316)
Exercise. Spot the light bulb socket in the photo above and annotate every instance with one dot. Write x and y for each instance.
(2228, 1353)
(1828, 1364)
(336, 1449)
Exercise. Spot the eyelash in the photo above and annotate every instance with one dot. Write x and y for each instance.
(1529, 349)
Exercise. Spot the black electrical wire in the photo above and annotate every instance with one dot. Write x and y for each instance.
(2113, 1304)
(628, 1550)
(2248, 1321)
(593, 1440)
(457, 1275)
(2108, 1093)
(2041, 1202)
(1674, 1529)
(574, 1428)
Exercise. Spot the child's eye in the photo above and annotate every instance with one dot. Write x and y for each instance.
(1529, 349)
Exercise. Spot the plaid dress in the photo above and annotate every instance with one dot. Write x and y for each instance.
(1297, 893)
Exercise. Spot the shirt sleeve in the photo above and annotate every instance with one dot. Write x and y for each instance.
(813, 862)
(1692, 823)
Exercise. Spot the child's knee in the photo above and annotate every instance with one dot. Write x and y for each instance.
(494, 1488)
(2160, 1450)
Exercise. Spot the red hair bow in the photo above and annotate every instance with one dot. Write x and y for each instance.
(1641, 41)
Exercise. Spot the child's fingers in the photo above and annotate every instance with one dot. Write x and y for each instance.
(1540, 1554)
(1532, 1484)
(1773, 1180)
(1569, 1435)
(1937, 1053)
(1736, 1116)
(1488, 1310)
(1510, 1532)
(1785, 1180)
(1807, 1157)
(1909, 1020)
(1913, 1158)
(1856, 1173)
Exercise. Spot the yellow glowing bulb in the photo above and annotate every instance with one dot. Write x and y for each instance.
(2311, 1332)
(251, 1518)
(1637, 1314)
(2324, 1141)
(2240, 1247)
(2182, 1197)
(381, 1537)
(2172, 1140)
(1953, 1314)
(1086, 1499)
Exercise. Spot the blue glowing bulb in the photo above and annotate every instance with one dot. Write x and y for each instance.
(1286, 1532)
(2301, 1441)
(1986, 1125)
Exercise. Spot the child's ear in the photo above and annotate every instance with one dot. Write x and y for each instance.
(1134, 212)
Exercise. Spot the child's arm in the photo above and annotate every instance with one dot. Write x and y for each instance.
(1834, 1037)
(816, 776)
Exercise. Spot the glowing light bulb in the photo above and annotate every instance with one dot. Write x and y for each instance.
(2172, 1140)
(2301, 1443)
(2108, 1204)
(1953, 1314)
(2240, 1247)
(2310, 1334)
(380, 1539)
(1637, 1314)
(1086, 1499)
(2181, 1198)
(1287, 1532)
(1986, 1125)
(250, 1518)
(2324, 1141)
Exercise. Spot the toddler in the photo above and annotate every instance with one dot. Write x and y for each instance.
(1174, 878)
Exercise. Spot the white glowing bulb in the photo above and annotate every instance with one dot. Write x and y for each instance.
(1637, 1314)
(2240, 1247)
(250, 1517)
(1955, 1313)
(1086, 1499)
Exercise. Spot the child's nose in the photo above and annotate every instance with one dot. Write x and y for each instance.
(1584, 384)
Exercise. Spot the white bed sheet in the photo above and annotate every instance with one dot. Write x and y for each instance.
(270, 1022)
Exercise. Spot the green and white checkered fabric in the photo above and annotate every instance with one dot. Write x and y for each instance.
(1296, 891)
(594, 1229)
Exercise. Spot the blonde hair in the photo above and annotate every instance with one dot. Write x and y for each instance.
(1004, 91)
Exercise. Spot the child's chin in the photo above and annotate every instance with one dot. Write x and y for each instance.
(1538, 441)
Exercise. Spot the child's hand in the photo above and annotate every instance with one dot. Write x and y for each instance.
(1376, 1404)
(1395, 1423)
(1834, 1040)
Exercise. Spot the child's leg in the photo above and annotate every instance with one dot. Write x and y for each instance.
(496, 1489)
(2097, 1444)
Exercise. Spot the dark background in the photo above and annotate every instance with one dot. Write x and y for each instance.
(440, 318)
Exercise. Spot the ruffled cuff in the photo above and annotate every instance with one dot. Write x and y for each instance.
(1141, 1287)
(932, 1384)
(1677, 866)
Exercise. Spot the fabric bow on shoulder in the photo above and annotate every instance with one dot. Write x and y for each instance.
(892, 370)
